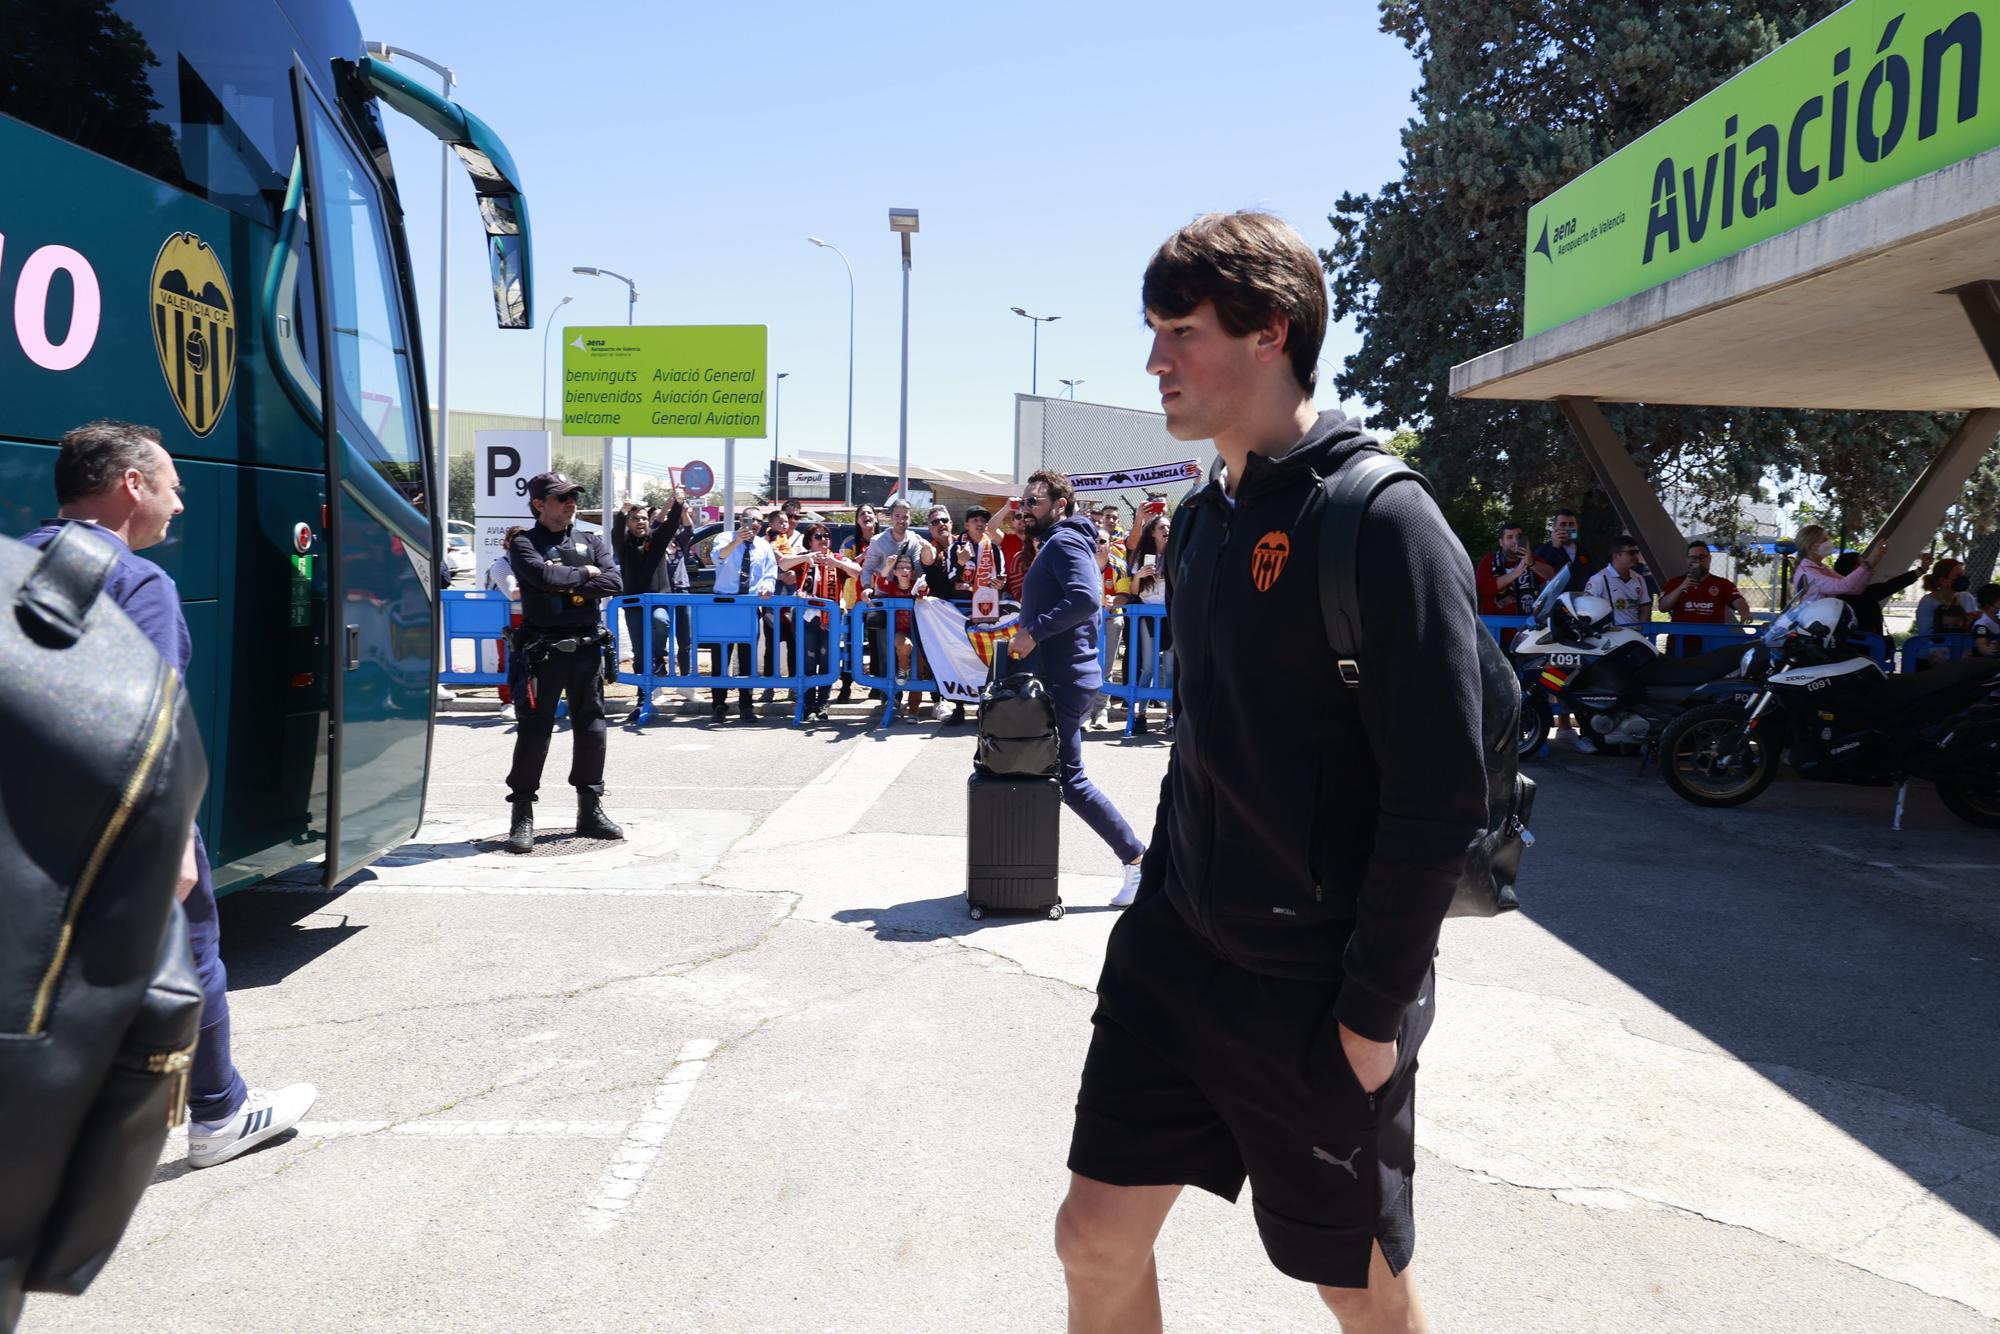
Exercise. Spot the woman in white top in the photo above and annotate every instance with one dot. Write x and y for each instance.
(1813, 578)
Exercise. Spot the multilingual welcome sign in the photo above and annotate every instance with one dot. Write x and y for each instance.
(665, 380)
(1873, 95)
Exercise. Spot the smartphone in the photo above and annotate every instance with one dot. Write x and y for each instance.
(1152, 559)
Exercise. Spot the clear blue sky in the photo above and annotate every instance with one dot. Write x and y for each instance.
(1050, 147)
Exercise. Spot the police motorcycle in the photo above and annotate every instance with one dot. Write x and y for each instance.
(1840, 718)
(1574, 658)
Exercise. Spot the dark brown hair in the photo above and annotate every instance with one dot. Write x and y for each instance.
(96, 454)
(1251, 266)
(1058, 485)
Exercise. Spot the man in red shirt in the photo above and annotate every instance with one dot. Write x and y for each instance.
(1701, 597)
(1506, 578)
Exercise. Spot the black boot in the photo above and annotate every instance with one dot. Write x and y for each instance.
(521, 838)
(591, 821)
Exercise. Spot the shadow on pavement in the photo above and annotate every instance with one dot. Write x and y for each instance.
(1799, 932)
(936, 919)
(268, 937)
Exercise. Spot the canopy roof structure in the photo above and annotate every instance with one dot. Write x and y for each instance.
(1765, 248)
(1857, 309)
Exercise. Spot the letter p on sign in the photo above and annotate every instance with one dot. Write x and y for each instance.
(503, 462)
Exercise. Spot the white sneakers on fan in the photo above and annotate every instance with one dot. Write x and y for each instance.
(1128, 888)
(264, 1115)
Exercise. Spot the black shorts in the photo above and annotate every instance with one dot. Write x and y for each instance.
(1201, 1073)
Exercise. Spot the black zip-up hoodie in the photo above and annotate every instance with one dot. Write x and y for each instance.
(1307, 829)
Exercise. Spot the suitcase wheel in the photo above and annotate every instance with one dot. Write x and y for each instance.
(1055, 912)
(977, 912)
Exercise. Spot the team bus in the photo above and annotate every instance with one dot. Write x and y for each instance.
(199, 231)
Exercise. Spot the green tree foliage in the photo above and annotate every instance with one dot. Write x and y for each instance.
(1516, 98)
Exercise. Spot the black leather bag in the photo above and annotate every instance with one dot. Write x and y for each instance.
(1017, 724)
(100, 1007)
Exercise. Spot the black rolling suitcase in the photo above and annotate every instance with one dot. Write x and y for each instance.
(1011, 828)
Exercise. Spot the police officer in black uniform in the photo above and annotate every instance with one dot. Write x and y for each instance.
(562, 641)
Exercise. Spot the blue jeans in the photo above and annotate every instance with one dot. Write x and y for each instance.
(215, 1090)
(1079, 793)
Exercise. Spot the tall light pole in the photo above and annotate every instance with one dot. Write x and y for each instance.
(388, 52)
(777, 406)
(548, 323)
(1035, 343)
(850, 361)
(903, 221)
(631, 300)
(1071, 386)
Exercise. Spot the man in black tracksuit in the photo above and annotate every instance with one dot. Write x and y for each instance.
(1262, 1003)
(565, 577)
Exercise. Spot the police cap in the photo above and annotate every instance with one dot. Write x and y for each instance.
(543, 485)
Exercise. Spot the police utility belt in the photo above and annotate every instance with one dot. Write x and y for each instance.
(535, 647)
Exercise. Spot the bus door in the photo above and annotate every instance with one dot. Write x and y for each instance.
(381, 528)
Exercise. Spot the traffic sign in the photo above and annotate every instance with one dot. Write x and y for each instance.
(698, 478)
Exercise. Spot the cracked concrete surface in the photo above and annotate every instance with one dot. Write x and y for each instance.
(1651, 1102)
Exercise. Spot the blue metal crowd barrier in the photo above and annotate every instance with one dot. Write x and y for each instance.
(480, 616)
(730, 627)
(887, 681)
(1139, 627)
(1934, 648)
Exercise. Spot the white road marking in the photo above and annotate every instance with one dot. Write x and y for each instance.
(1850, 855)
(464, 1129)
(639, 787)
(620, 1183)
(512, 891)
(837, 797)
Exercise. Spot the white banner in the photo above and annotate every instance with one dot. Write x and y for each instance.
(1164, 474)
(960, 651)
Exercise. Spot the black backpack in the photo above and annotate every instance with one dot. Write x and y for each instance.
(1017, 724)
(1486, 885)
(100, 1007)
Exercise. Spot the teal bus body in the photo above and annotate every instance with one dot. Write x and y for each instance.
(161, 262)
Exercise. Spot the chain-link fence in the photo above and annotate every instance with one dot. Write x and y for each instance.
(1073, 437)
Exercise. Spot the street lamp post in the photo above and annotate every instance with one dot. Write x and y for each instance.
(850, 361)
(1071, 386)
(1035, 343)
(777, 407)
(903, 221)
(549, 323)
(605, 488)
(387, 52)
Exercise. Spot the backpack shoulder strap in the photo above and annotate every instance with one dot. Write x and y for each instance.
(1349, 492)
(59, 591)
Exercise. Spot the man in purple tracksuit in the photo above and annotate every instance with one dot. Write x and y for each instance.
(1062, 615)
(115, 479)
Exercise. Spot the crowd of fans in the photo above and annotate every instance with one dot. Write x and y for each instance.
(1510, 577)
(778, 551)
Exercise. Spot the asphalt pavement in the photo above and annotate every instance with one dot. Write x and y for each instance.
(754, 1069)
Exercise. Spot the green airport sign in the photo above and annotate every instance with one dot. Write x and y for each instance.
(1875, 94)
(665, 380)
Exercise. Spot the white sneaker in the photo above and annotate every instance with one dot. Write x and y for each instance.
(941, 712)
(1128, 888)
(264, 1115)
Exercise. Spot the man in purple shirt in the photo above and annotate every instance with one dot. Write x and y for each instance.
(117, 480)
